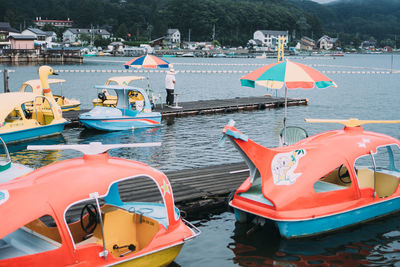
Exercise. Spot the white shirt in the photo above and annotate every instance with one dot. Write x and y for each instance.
(169, 81)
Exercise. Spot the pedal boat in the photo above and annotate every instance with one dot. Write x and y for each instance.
(325, 182)
(35, 86)
(79, 212)
(126, 115)
(104, 98)
(26, 116)
(8, 169)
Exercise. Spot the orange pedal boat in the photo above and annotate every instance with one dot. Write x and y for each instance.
(84, 212)
(325, 182)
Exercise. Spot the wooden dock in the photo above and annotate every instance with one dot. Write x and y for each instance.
(202, 107)
(195, 190)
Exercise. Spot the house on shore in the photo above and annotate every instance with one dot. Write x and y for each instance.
(269, 39)
(328, 43)
(72, 35)
(307, 43)
(368, 45)
(173, 38)
(39, 22)
(22, 42)
(42, 38)
(5, 31)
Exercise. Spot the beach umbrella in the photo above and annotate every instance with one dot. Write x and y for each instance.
(147, 61)
(288, 75)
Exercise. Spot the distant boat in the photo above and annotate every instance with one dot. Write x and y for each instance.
(262, 56)
(90, 54)
(219, 55)
(169, 56)
(188, 55)
(335, 55)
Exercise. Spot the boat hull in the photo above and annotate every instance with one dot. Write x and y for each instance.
(122, 123)
(315, 226)
(160, 258)
(70, 107)
(33, 133)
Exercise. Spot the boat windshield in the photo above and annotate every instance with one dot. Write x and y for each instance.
(380, 171)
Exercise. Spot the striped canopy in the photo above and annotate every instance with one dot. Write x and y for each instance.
(290, 74)
(147, 61)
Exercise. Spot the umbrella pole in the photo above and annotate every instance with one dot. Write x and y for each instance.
(284, 118)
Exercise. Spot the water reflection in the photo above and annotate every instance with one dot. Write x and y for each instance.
(121, 137)
(375, 243)
(20, 154)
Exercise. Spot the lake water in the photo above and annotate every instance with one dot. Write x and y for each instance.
(192, 142)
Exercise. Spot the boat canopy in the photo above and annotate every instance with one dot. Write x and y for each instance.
(314, 158)
(124, 80)
(54, 188)
(9, 101)
(123, 97)
(37, 85)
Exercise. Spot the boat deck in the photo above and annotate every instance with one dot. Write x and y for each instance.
(208, 107)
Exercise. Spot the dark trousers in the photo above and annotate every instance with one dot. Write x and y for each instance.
(170, 97)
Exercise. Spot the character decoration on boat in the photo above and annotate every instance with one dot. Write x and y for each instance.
(91, 211)
(65, 103)
(126, 115)
(322, 183)
(26, 115)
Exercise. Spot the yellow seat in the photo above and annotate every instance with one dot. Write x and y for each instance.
(386, 184)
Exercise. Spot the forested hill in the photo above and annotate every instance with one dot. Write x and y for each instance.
(235, 20)
(379, 19)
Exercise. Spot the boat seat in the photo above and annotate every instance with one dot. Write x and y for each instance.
(255, 193)
(119, 229)
(293, 135)
(386, 184)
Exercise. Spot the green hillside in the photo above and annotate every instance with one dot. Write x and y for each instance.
(235, 20)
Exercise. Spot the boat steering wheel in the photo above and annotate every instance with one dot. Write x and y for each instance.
(344, 175)
(93, 219)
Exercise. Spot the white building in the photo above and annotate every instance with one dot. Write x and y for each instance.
(327, 43)
(269, 38)
(74, 34)
(173, 38)
(57, 23)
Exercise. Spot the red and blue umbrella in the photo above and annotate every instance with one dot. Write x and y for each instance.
(147, 61)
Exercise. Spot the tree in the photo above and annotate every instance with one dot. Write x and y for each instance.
(302, 25)
(100, 41)
(84, 38)
(122, 31)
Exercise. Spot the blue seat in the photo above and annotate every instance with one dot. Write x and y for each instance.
(293, 135)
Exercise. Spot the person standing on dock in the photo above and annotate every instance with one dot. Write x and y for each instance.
(170, 86)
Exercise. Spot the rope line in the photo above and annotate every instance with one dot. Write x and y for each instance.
(213, 71)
